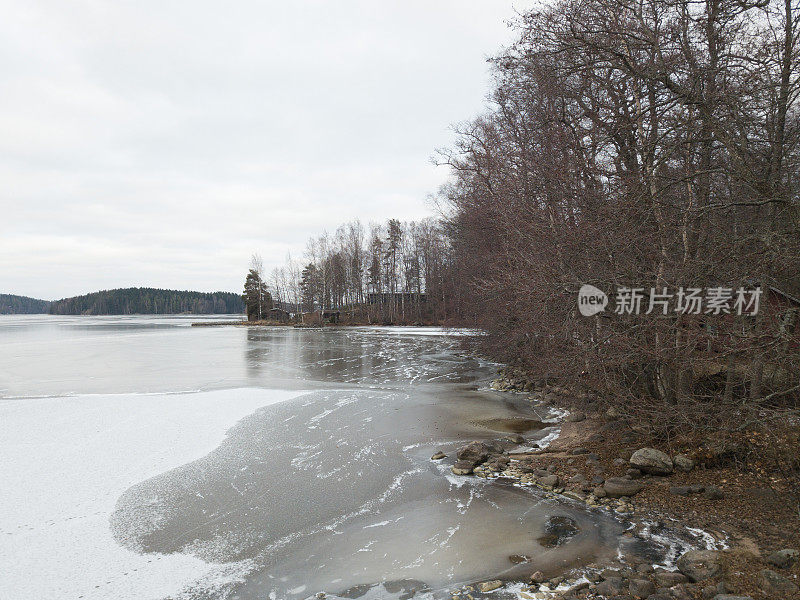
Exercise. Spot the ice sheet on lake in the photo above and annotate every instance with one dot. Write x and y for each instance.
(452, 331)
(64, 464)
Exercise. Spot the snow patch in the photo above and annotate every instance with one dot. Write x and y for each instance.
(66, 461)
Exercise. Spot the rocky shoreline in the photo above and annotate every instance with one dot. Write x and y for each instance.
(595, 461)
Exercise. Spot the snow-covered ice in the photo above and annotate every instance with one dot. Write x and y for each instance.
(64, 463)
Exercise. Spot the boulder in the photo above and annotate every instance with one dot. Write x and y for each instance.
(682, 591)
(616, 487)
(641, 588)
(463, 467)
(489, 586)
(538, 577)
(699, 565)
(519, 558)
(576, 417)
(683, 463)
(783, 559)
(650, 460)
(438, 456)
(550, 481)
(612, 586)
(708, 592)
(515, 438)
(772, 584)
(474, 452)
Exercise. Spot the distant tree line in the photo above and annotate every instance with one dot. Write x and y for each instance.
(131, 301)
(22, 305)
(410, 263)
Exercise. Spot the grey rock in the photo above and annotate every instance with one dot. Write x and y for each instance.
(609, 573)
(578, 587)
(518, 559)
(616, 487)
(633, 473)
(463, 467)
(474, 452)
(515, 438)
(712, 492)
(611, 586)
(549, 481)
(682, 591)
(438, 456)
(773, 583)
(538, 577)
(699, 565)
(620, 462)
(576, 417)
(498, 463)
(680, 490)
(713, 590)
(641, 588)
(783, 559)
(579, 451)
(683, 463)
(669, 579)
(489, 586)
(650, 460)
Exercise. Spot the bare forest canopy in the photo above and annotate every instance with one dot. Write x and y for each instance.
(148, 301)
(397, 272)
(650, 145)
(22, 305)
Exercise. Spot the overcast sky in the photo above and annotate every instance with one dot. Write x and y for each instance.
(162, 143)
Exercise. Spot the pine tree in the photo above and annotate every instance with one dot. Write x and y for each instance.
(257, 300)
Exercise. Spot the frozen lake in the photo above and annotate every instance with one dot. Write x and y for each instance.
(144, 458)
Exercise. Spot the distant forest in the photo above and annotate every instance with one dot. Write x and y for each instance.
(153, 301)
(21, 305)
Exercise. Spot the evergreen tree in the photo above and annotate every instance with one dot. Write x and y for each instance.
(309, 286)
(257, 300)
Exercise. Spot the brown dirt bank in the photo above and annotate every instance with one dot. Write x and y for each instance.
(739, 496)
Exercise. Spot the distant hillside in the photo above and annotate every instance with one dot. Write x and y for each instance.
(148, 301)
(21, 305)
